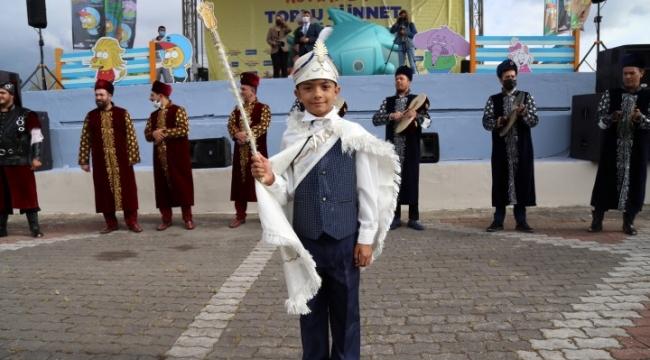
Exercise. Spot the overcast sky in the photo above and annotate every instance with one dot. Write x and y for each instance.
(624, 22)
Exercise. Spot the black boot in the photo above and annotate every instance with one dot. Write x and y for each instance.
(3, 224)
(32, 219)
(628, 223)
(596, 221)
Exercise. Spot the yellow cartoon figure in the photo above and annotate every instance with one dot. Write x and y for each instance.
(108, 61)
(176, 52)
(89, 18)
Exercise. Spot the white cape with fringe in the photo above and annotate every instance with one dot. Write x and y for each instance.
(300, 269)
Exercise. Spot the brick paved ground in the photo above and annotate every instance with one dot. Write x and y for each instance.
(450, 292)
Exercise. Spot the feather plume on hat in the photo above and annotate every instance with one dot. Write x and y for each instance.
(315, 64)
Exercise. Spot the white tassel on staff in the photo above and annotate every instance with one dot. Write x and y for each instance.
(206, 13)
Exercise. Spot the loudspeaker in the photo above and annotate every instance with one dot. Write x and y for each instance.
(464, 66)
(586, 136)
(9, 76)
(609, 73)
(209, 153)
(46, 158)
(429, 148)
(202, 74)
(36, 14)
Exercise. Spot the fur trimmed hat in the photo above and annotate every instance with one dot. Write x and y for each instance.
(250, 79)
(635, 60)
(106, 85)
(505, 66)
(161, 88)
(406, 71)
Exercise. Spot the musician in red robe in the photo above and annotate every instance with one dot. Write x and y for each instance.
(20, 154)
(168, 129)
(242, 188)
(109, 135)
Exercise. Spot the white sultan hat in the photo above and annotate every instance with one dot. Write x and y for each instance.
(315, 64)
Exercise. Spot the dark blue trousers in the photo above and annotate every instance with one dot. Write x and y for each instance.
(518, 210)
(336, 304)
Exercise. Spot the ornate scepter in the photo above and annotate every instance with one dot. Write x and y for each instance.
(206, 13)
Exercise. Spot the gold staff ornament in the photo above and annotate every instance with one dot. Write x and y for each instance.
(205, 10)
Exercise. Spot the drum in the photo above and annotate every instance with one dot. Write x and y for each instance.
(420, 104)
(341, 105)
(514, 112)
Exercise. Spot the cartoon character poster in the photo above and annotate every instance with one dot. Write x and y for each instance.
(520, 55)
(176, 52)
(88, 23)
(92, 19)
(107, 60)
(120, 21)
(444, 48)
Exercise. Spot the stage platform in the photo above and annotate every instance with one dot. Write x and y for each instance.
(461, 180)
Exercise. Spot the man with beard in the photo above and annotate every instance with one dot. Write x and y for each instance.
(109, 135)
(393, 110)
(513, 174)
(168, 129)
(622, 169)
(20, 154)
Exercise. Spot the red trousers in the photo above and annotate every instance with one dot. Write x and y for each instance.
(130, 218)
(240, 208)
(167, 213)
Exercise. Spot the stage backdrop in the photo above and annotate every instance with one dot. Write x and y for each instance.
(93, 19)
(360, 25)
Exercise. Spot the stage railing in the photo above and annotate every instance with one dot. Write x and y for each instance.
(73, 70)
(562, 53)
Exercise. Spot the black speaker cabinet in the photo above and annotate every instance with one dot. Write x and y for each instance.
(609, 73)
(585, 133)
(429, 148)
(209, 153)
(46, 158)
(9, 76)
(36, 14)
(202, 74)
(464, 66)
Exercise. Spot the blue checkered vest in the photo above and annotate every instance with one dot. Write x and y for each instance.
(326, 200)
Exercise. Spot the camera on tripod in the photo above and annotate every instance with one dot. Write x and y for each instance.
(401, 23)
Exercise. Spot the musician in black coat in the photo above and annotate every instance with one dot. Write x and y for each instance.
(622, 169)
(513, 174)
(392, 111)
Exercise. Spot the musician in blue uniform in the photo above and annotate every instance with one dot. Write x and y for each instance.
(513, 174)
(622, 169)
(337, 184)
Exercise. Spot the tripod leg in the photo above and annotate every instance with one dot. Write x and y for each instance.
(29, 78)
(389, 53)
(585, 57)
(54, 77)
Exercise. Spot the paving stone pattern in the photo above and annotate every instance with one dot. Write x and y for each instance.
(452, 291)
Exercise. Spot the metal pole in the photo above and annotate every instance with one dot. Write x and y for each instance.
(41, 43)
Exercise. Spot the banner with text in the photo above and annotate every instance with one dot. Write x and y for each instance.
(360, 26)
(93, 19)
